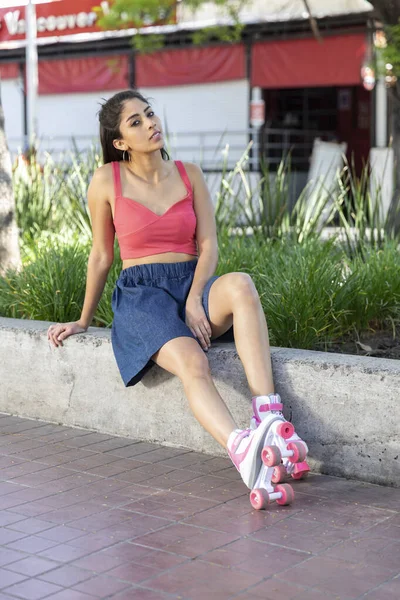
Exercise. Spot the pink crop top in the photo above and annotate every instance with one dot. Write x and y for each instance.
(141, 232)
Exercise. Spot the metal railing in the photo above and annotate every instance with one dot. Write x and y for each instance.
(278, 143)
(210, 149)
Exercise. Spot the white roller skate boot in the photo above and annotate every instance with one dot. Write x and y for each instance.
(247, 451)
(283, 436)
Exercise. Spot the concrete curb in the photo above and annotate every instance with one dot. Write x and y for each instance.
(346, 407)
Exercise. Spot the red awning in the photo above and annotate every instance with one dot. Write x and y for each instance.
(308, 63)
(9, 71)
(191, 65)
(92, 74)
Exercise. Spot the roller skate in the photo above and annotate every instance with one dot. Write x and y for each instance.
(248, 453)
(282, 437)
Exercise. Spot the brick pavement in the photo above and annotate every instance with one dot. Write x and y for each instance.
(85, 516)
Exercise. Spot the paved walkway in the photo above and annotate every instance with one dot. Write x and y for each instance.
(85, 515)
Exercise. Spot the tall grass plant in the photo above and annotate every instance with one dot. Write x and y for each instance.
(52, 197)
(51, 288)
(312, 291)
(262, 204)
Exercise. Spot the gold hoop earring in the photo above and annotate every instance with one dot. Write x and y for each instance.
(123, 156)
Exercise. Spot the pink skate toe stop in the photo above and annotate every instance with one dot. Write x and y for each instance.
(259, 499)
(271, 456)
(287, 494)
(285, 430)
(300, 470)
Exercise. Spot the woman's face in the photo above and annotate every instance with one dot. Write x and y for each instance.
(140, 128)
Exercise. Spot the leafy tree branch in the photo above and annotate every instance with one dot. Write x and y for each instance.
(124, 14)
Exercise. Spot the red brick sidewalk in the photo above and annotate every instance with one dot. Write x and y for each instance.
(86, 516)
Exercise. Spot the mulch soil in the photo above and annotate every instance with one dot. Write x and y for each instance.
(382, 344)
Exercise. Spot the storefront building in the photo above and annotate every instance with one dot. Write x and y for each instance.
(203, 94)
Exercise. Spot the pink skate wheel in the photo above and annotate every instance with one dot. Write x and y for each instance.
(279, 474)
(271, 456)
(285, 430)
(287, 494)
(299, 452)
(300, 470)
(259, 499)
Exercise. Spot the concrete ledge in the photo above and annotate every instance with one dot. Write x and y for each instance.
(346, 407)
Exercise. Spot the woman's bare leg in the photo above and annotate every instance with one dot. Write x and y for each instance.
(183, 357)
(234, 298)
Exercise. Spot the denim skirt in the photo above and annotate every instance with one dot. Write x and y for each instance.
(148, 303)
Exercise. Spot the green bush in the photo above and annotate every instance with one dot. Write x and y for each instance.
(377, 302)
(35, 243)
(37, 193)
(302, 288)
(51, 288)
(264, 207)
(52, 197)
(304, 294)
(313, 292)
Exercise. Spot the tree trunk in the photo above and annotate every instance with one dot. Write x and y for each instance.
(9, 245)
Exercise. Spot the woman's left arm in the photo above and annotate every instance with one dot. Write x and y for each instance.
(206, 237)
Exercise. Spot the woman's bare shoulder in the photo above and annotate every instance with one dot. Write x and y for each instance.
(103, 174)
(189, 166)
(102, 182)
(194, 172)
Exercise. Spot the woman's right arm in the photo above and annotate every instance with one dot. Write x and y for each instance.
(100, 259)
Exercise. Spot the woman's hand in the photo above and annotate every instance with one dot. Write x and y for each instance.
(197, 321)
(59, 331)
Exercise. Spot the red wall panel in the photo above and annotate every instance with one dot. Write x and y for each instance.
(308, 63)
(9, 71)
(190, 65)
(83, 74)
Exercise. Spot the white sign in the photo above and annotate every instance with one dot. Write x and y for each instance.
(16, 25)
(257, 113)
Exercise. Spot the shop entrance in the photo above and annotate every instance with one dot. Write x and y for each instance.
(295, 117)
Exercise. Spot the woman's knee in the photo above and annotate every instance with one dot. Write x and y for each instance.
(194, 365)
(241, 286)
(184, 358)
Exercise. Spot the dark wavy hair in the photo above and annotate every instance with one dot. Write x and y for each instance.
(110, 118)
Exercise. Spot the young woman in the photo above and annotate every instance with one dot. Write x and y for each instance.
(167, 303)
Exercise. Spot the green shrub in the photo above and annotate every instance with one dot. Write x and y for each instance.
(52, 197)
(78, 175)
(312, 294)
(377, 273)
(51, 288)
(303, 292)
(34, 243)
(361, 215)
(37, 192)
(264, 207)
